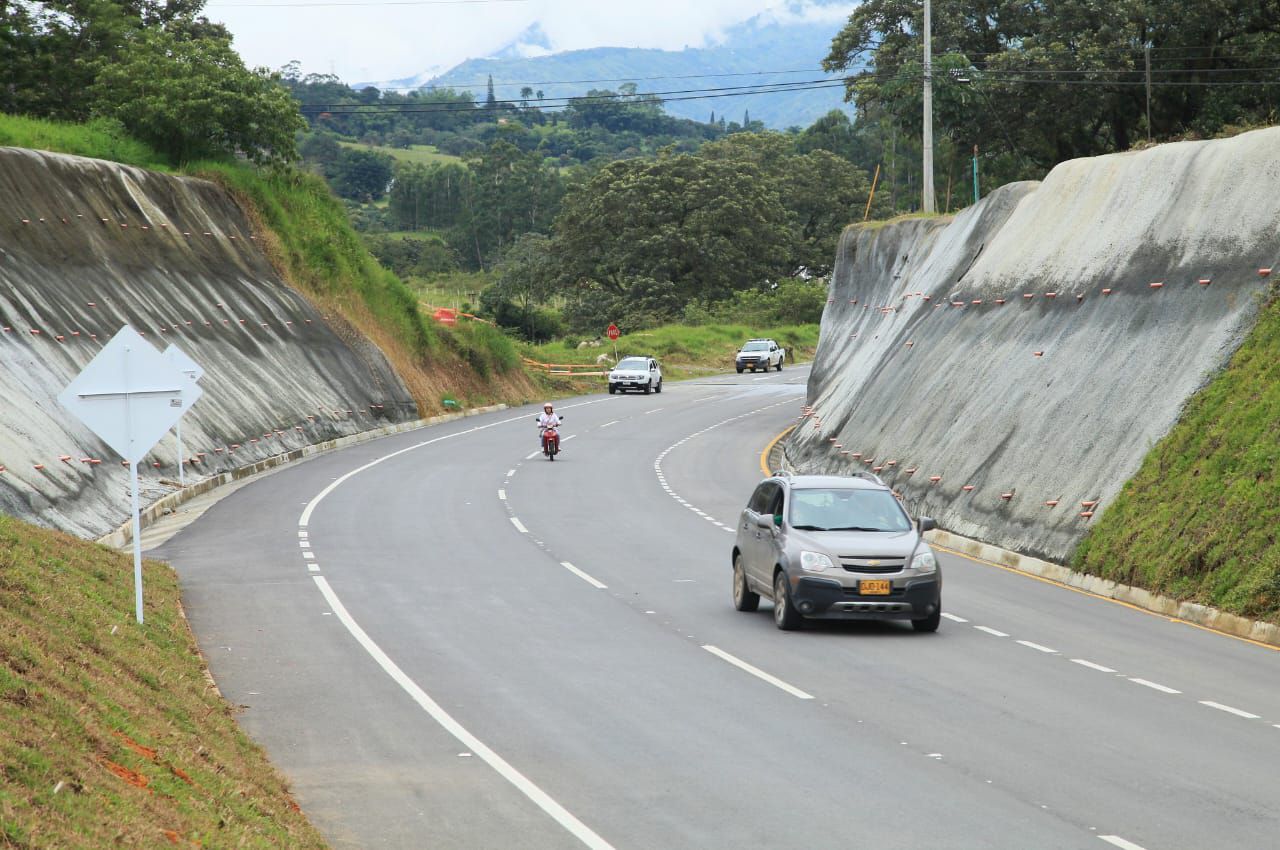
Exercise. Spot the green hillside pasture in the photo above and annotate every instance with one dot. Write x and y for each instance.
(682, 350)
(113, 735)
(1198, 522)
(419, 154)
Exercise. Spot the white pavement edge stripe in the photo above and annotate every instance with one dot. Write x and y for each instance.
(756, 671)
(1117, 841)
(539, 797)
(1229, 710)
(519, 526)
(580, 574)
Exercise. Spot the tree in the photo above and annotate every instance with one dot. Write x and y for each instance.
(490, 99)
(360, 175)
(644, 238)
(1043, 83)
(191, 98)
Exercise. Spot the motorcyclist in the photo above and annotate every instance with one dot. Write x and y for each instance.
(547, 419)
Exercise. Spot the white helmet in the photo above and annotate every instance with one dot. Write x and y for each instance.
(547, 406)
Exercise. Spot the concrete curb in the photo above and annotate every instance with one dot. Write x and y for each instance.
(166, 504)
(1190, 612)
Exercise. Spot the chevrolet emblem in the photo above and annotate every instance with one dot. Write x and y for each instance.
(873, 563)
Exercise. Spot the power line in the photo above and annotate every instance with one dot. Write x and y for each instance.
(498, 83)
(317, 3)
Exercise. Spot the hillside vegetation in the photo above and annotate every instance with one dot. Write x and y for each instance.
(113, 733)
(1198, 522)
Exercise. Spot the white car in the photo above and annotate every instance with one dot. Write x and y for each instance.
(636, 373)
(760, 354)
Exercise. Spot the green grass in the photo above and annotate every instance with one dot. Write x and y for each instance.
(112, 736)
(99, 139)
(1198, 522)
(419, 154)
(451, 290)
(682, 350)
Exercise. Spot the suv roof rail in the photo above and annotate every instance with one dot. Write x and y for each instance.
(870, 476)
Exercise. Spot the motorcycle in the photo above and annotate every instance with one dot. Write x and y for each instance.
(551, 441)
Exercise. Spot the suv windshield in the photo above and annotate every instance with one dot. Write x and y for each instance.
(847, 510)
(637, 363)
(756, 346)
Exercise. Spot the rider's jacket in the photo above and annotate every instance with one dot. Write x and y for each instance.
(548, 420)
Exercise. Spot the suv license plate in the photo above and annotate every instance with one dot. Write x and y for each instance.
(875, 587)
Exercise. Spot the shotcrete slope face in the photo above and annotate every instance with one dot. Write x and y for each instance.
(87, 247)
(1044, 397)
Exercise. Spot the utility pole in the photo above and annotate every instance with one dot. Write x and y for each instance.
(1146, 52)
(928, 206)
(975, 174)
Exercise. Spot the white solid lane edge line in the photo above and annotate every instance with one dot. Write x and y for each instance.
(1117, 841)
(756, 671)
(990, 631)
(953, 618)
(614, 422)
(473, 744)
(532, 456)
(519, 526)
(599, 585)
(1154, 686)
(502, 494)
(1229, 710)
(1036, 646)
(1091, 665)
(655, 410)
(570, 437)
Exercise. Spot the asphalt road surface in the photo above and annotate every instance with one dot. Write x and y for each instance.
(446, 641)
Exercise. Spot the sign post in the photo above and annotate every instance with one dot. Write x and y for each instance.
(614, 333)
(130, 395)
(194, 371)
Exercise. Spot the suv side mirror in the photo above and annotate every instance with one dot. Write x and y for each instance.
(777, 520)
(926, 524)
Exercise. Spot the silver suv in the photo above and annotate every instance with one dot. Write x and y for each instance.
(835, 548)
(636, 373)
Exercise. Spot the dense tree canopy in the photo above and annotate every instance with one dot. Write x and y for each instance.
(169, 76)
(1045, 82)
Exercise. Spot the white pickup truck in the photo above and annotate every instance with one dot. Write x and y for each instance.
(760, 354)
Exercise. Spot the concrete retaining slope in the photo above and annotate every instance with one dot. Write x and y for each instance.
(89, 246)
(1023, 356)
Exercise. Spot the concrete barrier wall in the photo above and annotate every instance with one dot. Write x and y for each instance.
(89, 246)
(1029, 351)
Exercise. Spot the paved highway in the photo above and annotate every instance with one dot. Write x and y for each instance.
(446, 641)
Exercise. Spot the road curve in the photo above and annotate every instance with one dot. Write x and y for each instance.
(446, 641)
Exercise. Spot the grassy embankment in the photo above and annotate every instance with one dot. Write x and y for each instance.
(314, 248)
(112, 734)
(1198, 522)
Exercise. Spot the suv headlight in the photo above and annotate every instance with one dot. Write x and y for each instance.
(815, 562)
(924, 559)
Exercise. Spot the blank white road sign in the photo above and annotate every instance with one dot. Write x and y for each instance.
(184, 364)
(130, 395)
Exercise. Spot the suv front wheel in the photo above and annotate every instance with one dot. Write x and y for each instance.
(785, 616)
(930, 623)
(743, 598)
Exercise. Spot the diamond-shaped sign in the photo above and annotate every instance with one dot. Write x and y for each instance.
(129, 395)
(184, 364)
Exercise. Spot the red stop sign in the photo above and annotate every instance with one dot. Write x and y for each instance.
(613, 332)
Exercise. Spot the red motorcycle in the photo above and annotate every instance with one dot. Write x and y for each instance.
(551, 442)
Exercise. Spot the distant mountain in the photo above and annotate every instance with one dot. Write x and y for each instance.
(769, 48)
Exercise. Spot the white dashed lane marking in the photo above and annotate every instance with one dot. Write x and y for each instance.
(1037, 647)
(502, 494)
(1117, 841)
(1155, 686)
(1229, 710)
(953, 618)
(580, 574)
(991, 631)
(757, 672)
(1091, 665)
(519, 526)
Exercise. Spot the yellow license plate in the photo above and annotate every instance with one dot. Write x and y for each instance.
(875, 587)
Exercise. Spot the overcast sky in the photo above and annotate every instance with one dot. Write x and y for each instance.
(376, 40)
